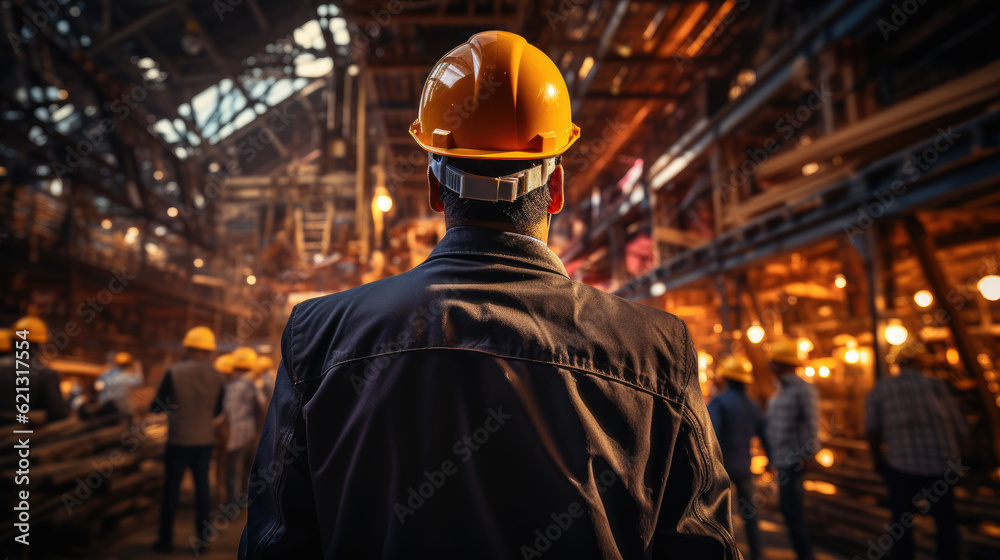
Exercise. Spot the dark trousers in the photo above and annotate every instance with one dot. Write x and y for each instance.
(790, 500)
(177, 459)
(238, 463)
(744, 497)
(940, 496)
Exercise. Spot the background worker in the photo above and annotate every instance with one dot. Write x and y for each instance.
(264, 382)
(581, 403)
(792, 429)
(115, 384)
(737, 420)
(191, 394)
(918, 420)
(241, 407)
(45, 399)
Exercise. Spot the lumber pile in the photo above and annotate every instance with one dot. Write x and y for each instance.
(85, 477)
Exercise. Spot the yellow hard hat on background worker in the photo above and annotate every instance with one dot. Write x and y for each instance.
(736, 368)
(224, 364)
(123, 358)
(244, 358)
(200, 338)
(495, 97)
(37, 331)
(264, 363)
(785, 351)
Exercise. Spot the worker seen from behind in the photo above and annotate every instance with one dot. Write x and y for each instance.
(919, 422)
(792, 430)
(737, 420)
(241, 407)
(114, 385)
(19, 348)
(483, 404)
(264, 383)
(191, 394)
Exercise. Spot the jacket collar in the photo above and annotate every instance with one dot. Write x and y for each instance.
(476, 240)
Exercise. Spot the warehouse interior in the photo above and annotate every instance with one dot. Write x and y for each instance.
(828, 171)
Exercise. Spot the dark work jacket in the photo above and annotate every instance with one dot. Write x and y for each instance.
(484, 405)
(191, 393)
(737, 420)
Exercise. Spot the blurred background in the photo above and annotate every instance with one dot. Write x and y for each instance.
(825, 171)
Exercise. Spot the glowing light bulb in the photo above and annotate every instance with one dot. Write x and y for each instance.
(825, 457)
(840, 281)
(810, 371)
(895, 334)
(251, 279)
(755, 334)
(383, 202)
(198, 263)
(852, 356)
(923, 298)
(824, 372)
(989, 286)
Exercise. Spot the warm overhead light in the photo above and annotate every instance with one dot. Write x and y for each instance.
(895, 334)
(383, 202)
(172, 212)
(810, 168)
(657, 289)
(952, 356)
(825, 457)
(353, 70)
(106, 223)
(810, 371)
(852, 356)
(806, 345)
(717, 328)
(824, 372)
(755, 334)
(198, 263)
(989, 286)
(923, 298)
(251, 279)
(840, 281)
(157, 174)
(585, 67)
(132, 234)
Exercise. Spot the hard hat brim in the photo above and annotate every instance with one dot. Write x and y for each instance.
(492, 154)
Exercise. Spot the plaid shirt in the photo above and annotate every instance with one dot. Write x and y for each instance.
(792, 423)
(240, 405)
(117, 384)
(919, 421)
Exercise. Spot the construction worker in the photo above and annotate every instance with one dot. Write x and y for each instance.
(264, 382)
(241, 406)
(918, 420)
(114, 384)
(792, 440)
(482, 404)
(44, 398)
(191, 394)
(737, 420)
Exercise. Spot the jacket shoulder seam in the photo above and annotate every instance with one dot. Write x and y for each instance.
(589, 371)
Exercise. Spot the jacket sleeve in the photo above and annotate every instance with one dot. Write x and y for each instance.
(695, 521)
(164, 394)
(281, 515)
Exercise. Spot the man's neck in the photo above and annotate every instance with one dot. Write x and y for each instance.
(539, 231)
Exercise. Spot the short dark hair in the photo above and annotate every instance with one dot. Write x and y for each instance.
(524, 212)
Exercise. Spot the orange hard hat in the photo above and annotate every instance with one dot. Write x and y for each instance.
(123, 358)
(264, 363)
(495, 97)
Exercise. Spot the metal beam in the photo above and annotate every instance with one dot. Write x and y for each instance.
(610, 30)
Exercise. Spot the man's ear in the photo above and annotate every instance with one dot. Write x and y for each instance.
(556, 190)
(434, 192)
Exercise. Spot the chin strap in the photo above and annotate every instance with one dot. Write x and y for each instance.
(493, 189)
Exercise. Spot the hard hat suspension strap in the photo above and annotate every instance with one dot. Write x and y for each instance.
(492, 189)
